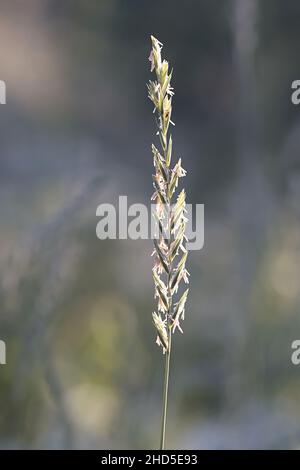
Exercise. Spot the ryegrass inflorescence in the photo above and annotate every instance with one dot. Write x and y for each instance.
(170, 215)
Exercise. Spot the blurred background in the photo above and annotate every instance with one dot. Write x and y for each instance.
(83, 370)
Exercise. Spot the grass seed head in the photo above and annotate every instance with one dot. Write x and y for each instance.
(170, 251)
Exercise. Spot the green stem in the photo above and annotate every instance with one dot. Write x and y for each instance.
(164, 140)
(168, 352)
(166, 389)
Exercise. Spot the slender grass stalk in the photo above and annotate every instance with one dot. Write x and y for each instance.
(165, 396)
(171, 221)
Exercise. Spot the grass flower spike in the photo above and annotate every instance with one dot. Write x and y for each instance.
(170, 214)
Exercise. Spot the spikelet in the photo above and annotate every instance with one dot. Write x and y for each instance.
(170, 251)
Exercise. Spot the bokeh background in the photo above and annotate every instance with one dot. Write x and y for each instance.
(83, 370)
